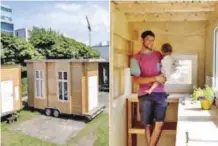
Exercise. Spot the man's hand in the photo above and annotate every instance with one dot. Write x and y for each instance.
(161, 79)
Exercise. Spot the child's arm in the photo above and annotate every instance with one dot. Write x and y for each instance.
(154, 85)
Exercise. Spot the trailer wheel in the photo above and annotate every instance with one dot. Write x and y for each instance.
(48, 112)
(56, 113)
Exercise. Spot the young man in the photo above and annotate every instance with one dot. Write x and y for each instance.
(145, 69)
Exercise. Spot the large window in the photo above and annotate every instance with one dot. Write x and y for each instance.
(39, 84)
(183, 73)
(6, 9)
(185, 76)
(7, 26)
(62, 86)
(216, 58)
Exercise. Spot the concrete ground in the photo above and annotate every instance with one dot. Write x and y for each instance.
(58, 130)
(55, 130)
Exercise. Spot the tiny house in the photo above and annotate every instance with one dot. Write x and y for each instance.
(191, 27)
(10, 87)
(64, 86)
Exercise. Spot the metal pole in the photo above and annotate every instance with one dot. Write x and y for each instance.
(89, 38)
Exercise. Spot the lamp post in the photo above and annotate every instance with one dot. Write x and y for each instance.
(89, 28)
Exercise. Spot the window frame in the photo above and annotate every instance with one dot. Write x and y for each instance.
(186, 88)
(41, 80)
(62, 80)
(215, 58)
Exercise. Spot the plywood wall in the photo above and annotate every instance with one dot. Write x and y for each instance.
(13, 72)
(185, 37)
(31, 82)
(77, 87)
(40, 103)
(120, 38)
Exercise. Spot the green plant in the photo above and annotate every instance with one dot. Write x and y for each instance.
(208, 93)
(197, 92)
(203, 94)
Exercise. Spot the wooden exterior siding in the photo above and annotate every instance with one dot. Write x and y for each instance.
(13, 72)
(78, 74)
(77, 87)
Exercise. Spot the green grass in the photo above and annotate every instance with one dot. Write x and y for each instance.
(103, 132)
(98, 127)
(24, 87)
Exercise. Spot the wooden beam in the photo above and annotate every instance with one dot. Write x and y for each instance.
(145, 7)
(142, 131)
(168, 17)
(134, 98)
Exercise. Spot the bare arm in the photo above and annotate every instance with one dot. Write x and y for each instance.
(146, 80)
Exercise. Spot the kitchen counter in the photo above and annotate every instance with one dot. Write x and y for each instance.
(196, 127)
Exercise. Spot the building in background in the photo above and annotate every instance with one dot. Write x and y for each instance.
(6, 19)
(103, 49)
(23, 33)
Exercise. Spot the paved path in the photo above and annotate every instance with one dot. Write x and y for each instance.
(59, 130)
(55, 130)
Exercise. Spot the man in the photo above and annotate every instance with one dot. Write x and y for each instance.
(145, 69)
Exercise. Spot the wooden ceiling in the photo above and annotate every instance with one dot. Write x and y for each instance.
(162, 10)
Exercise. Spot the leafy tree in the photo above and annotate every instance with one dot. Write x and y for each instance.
(15, 50)
(53, 45)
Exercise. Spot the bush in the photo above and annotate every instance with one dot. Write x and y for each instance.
(24, 87)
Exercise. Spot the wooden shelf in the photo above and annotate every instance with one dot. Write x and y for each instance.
(134, 128)
(134, 98)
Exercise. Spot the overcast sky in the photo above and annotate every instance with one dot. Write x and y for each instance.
(66, 17)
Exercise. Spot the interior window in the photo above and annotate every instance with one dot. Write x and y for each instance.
(182, 74)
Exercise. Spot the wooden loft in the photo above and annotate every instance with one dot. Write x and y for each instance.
(139, 11)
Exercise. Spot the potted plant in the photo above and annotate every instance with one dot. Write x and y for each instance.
(206, 97)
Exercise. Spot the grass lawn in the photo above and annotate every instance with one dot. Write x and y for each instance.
(98, 127)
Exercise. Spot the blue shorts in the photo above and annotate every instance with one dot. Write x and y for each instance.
(152, 107)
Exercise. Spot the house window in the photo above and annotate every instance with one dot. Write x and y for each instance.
(39, 83)
(216, 58)
(62, 86)
(183, 73)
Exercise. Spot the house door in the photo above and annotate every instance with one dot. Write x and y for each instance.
(92, 92)
(7, 96)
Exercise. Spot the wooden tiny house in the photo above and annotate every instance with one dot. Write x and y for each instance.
(64, 86)
(10, 89)
(189, 26)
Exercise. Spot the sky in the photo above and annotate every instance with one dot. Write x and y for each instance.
(66, 17)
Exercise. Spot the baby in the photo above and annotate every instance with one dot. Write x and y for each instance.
(167, 63)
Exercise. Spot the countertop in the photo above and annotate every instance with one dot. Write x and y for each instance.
(195, 126)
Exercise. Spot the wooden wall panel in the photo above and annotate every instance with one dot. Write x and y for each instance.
(13, 72)
(40, 103)
(52, 84)
(185, 37)
(76, 80)
(120, 36)
(63, 106)
(31, 84)
(209, 51)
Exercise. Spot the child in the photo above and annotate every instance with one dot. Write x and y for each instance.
(166, 65)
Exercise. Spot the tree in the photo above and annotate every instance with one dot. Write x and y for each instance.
(53, 45)
(15, 50)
